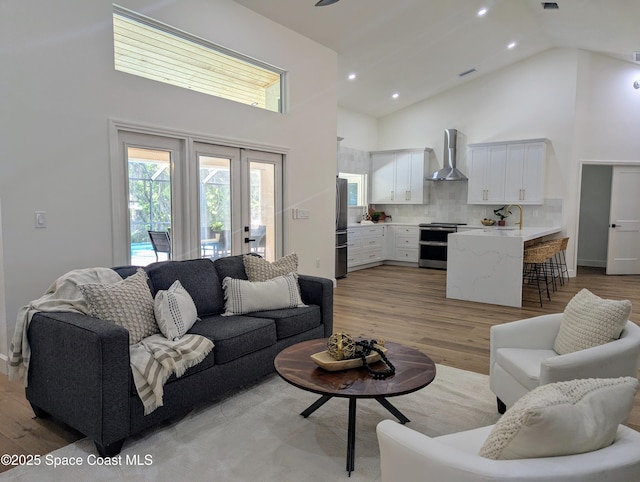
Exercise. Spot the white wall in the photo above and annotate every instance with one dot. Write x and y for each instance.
(359, 131)
(531, 99)
(54, 154)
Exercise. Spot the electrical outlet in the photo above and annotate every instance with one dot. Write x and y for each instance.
(317, 262)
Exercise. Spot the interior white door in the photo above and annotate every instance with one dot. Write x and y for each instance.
(623, 252)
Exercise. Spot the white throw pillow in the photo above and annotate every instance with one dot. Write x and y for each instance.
(259, 269)
(562, 418)
(589, 320)
(242, 296)
(175, 311)
(127, 303)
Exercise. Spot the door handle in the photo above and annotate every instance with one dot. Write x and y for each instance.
(248, 240)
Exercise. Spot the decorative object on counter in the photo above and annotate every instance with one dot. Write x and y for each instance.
(502, 213)
(344, 352)
(376, 216)
(488, 222)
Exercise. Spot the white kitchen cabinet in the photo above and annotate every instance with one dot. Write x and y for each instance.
(398, 176)
(402, 243)
(365, 245)
(524, 182)
(507, 172)
(487, 172)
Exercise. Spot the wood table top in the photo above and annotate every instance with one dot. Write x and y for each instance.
(414, 370)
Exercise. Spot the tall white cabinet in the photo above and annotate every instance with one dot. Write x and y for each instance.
(397, 177)
(507, 172)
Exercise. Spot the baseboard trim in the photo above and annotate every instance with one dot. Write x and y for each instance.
(4, 364)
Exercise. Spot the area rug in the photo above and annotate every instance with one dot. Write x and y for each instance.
(258, 435)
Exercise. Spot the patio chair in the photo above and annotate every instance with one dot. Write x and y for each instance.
(161, 242)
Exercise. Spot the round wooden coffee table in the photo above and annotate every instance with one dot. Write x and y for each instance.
(414, 371)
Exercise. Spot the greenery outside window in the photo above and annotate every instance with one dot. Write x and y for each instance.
(356, 188)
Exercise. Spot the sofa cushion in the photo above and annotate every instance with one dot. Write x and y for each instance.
(236, 336)
(589, 320)
(175, 311)
(198, 276)
(259, 269)
(562, 418)
(127, 303)
(231, 266)
(293, 321)
(242, 296)
(524, 364)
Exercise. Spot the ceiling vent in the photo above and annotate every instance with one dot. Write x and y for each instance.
(467, 72)
(636, 57)
(550, 5)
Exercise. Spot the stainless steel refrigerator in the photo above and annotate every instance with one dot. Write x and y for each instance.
(341, 227)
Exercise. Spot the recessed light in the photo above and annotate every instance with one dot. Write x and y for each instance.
(482, 12)
(511, 45)
(352, 77)
(395, 95)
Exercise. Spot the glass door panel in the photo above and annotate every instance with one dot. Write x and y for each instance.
(215, 206)
(149, 204)
(262, 209)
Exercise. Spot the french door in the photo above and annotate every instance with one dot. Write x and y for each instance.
(239, 193)
(207, 200)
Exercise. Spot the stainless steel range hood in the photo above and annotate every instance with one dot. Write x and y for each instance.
(449, 171)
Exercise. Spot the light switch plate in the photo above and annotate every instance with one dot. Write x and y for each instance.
(40, 219)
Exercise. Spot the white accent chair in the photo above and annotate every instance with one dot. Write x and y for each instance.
(522, 357)
(407, 455)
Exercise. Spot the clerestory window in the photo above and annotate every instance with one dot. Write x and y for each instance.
(153, 50)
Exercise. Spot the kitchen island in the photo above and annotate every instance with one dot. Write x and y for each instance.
(485, 265)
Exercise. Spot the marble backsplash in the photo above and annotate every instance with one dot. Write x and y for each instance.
(447, 201)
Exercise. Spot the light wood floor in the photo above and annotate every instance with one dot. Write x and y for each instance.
(404, 305)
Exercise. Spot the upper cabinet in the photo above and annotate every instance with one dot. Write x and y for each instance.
(397, 177)
(507, 172)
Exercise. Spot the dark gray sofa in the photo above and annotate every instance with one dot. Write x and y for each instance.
(80, 374)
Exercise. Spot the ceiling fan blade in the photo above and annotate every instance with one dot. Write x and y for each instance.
(324, 3)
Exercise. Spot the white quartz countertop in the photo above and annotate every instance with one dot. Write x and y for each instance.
(525, 233)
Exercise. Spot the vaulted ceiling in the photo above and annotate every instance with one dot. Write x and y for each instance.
(419, 48)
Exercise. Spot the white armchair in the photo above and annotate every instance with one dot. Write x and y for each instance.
(407, 455)
(522, 357)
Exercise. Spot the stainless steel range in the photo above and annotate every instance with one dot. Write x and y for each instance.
(433, 244)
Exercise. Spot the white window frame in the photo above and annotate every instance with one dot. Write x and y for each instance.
(185, 187)
(153, 50)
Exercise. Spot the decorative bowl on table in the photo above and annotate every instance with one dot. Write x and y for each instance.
(488, 222)
(326, 361)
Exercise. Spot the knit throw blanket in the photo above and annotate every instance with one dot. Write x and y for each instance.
(152, 361)
(156, 358)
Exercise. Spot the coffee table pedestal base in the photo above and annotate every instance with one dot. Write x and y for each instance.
(351, 429)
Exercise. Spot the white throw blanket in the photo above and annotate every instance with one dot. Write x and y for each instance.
(152, 361)
(62, 295)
